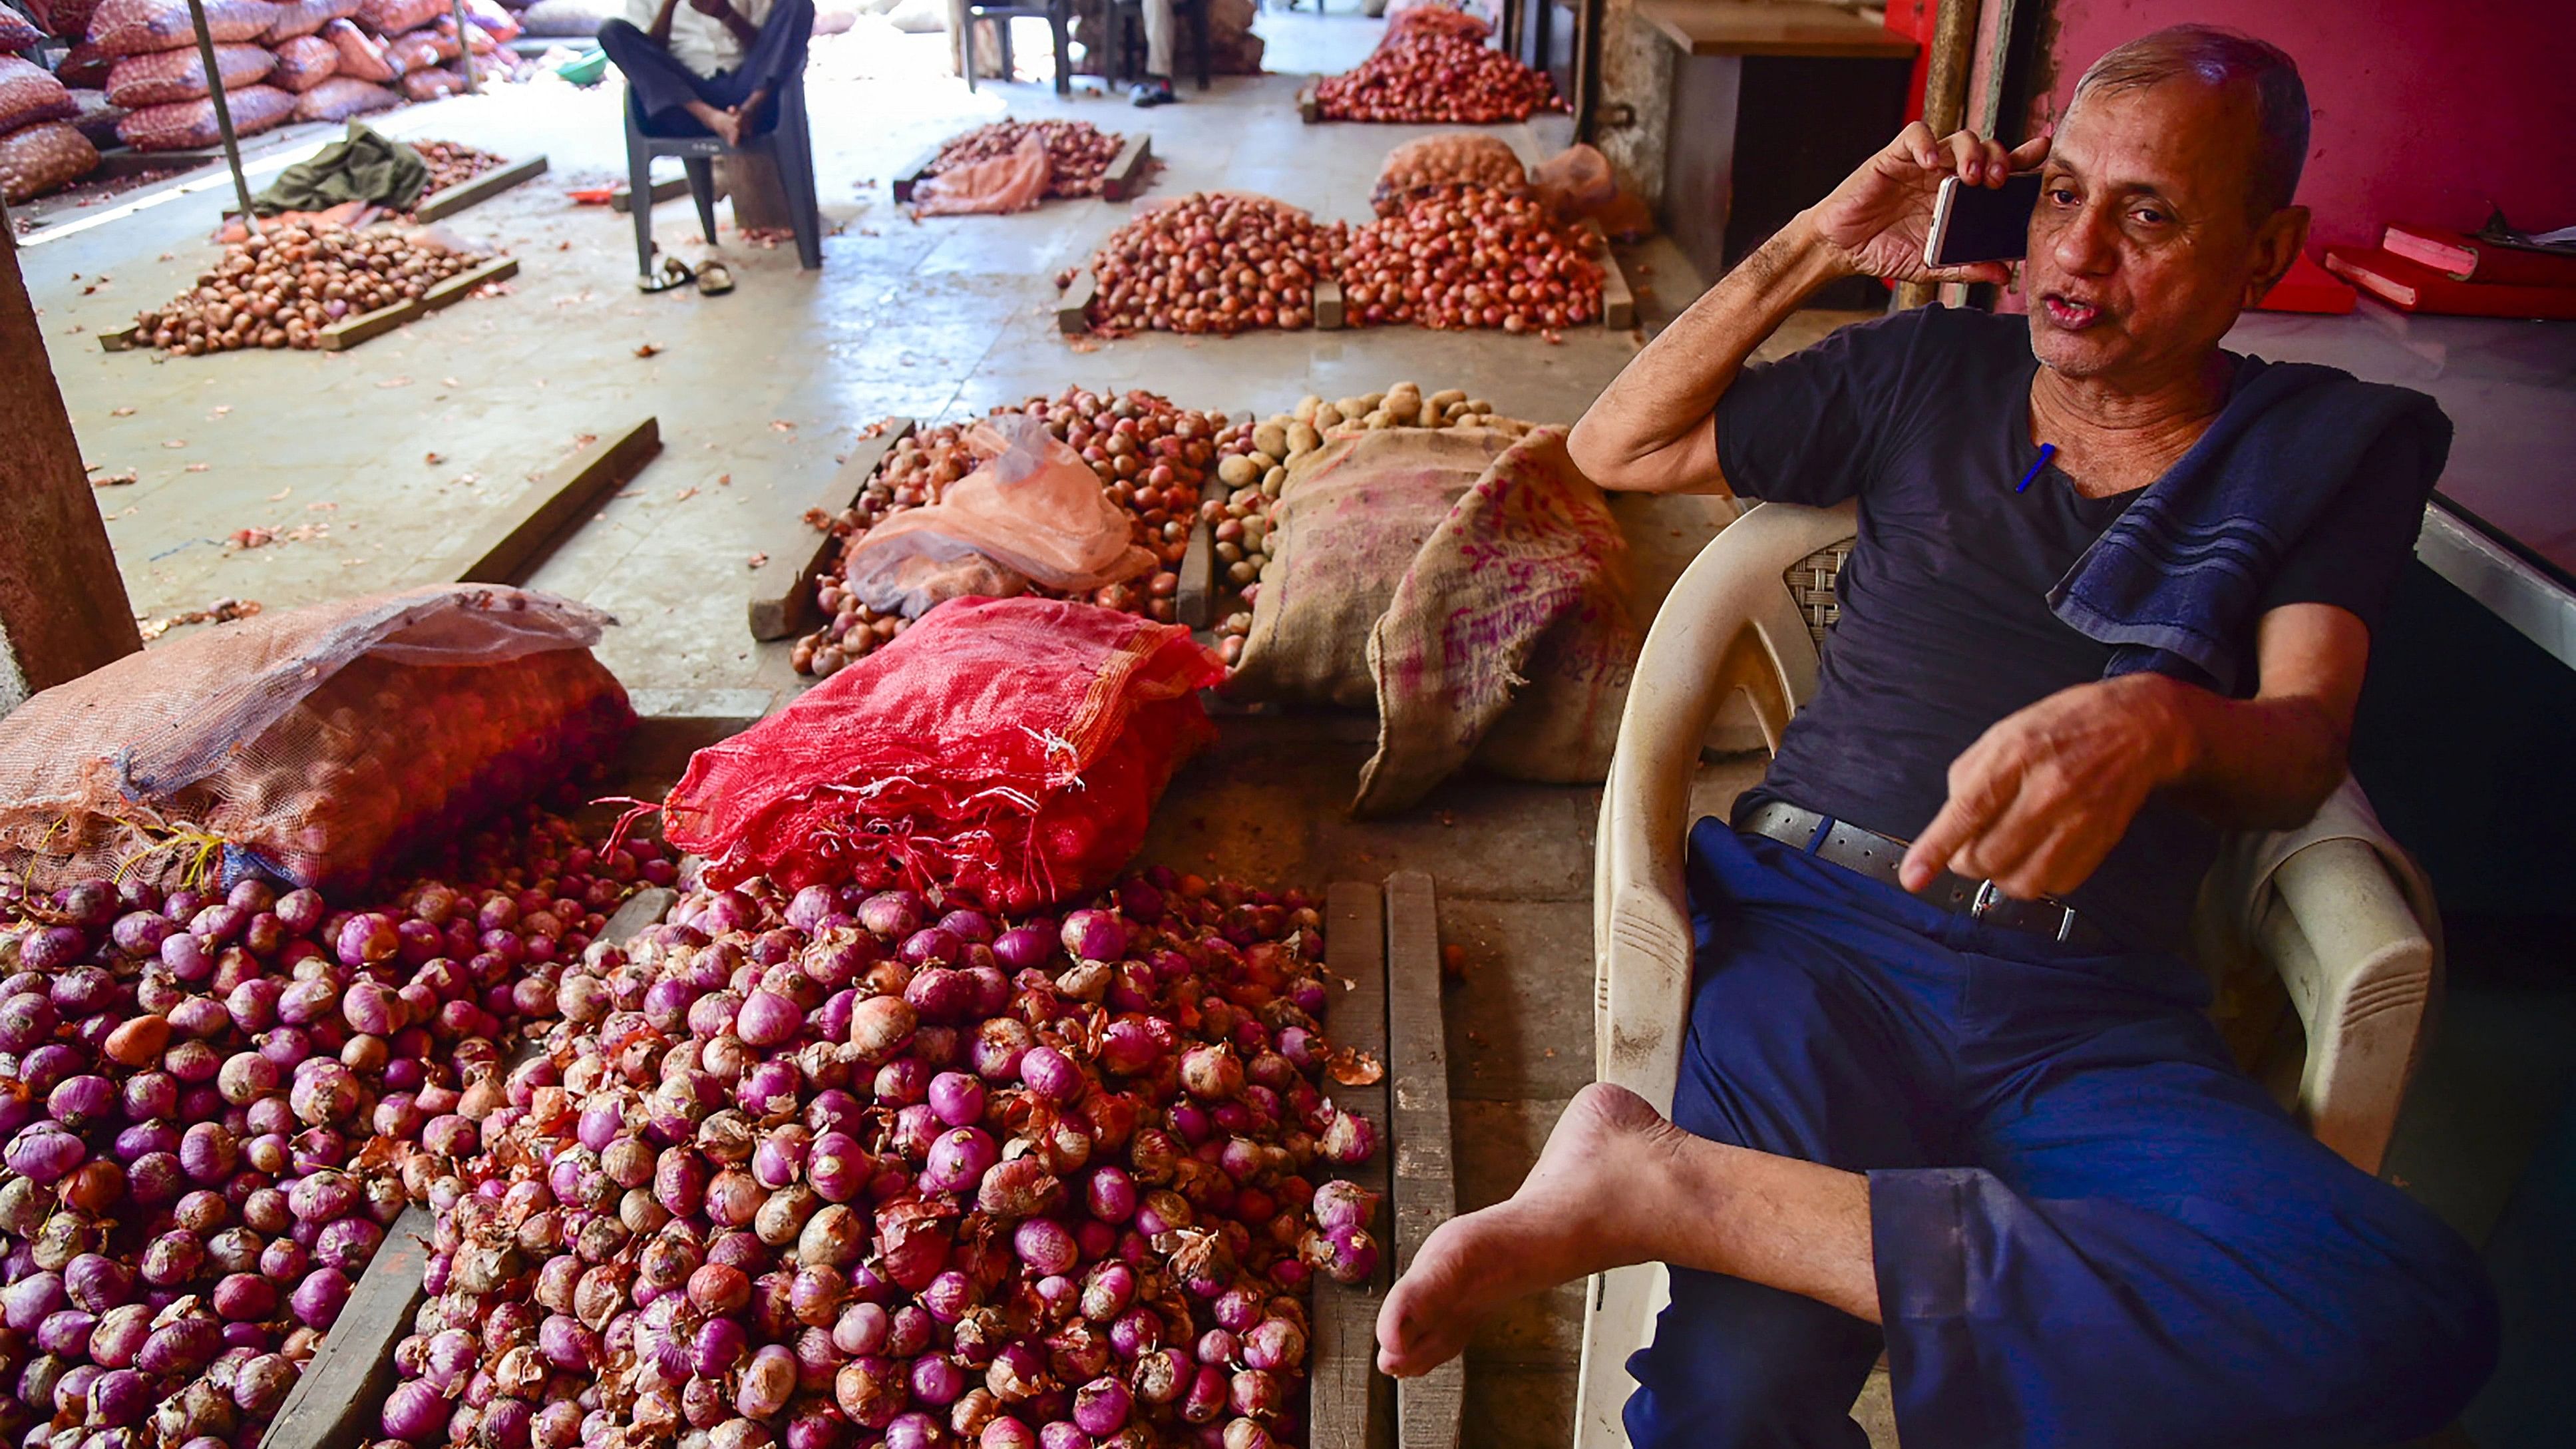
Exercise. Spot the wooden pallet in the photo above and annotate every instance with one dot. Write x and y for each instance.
(620, 200)
(481, 188)
(1074, 303)
(1618, 302)
(509, 547)
(909, 179)
(1310, 105)
(782, 601)
(348, 332)
(1129, 171)
(1330, 313)
(1194, 603)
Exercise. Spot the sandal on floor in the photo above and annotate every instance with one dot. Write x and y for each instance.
(713, 279)
(675, 273)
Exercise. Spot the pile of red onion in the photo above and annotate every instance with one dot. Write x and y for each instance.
(1471, 257)
(1431, 76)
(1221, 262)
(1153, 458)
(841, 1170)
(196, 1095)
(1078, 152)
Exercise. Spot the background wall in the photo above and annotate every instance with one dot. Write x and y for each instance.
(2425, 110)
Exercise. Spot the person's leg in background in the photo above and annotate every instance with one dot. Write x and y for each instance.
(663, 88)
(2151, 1253)
(1156, 88)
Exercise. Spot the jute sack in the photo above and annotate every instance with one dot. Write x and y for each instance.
(1508, 640)
(1348, 521)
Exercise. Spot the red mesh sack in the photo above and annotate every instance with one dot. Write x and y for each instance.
(68, 19)
(17, 32)
(341, 97)
(180, 75)
(186, 125)
(362, 56)
(1452, 158)
(303, 63)
(304, 17)
(320, 746)
(1006, 751)
(85, 67)
(29, 93)
(43, 157)
(393, 17)
(1413, 22)
(137, 27)
(431, 83)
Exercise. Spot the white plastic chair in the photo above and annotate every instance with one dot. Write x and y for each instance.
(2335, 908)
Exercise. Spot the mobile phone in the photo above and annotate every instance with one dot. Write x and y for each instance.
(1981, 223)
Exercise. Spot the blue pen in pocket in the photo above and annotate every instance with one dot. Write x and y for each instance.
(2046, 452)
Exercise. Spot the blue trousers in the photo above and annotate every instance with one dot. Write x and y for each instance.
(2090, 1228)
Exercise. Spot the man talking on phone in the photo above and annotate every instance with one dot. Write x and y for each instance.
(715, 62)
(1948, 1092)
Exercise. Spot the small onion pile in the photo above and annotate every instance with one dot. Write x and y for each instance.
(839, 1171)
(1078, 152)
(1241, 519)
(1153, 459)
(1429, 76)
(453, 163)
(1470, 257)
(203, 1097)
(1220, 262)
(282, 288)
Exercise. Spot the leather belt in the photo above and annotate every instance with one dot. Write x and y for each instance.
(1866, 852)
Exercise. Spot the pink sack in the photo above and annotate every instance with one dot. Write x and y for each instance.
(85, 67)
(362, 56)
(393, 17)
(137, 27)
(43, 157)
(180, 75)
(303, 63)
(431, 83)
(67, 19)
(303, 17)
(1012, 182)
(416, 51)
(18, 34)
(186, 125)
(341, 97)
(29, 94)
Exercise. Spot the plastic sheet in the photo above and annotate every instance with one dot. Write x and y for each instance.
(1014, 182)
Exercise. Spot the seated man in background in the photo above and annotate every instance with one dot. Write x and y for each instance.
(1948, 1090)
(1156, 88)
(716, 61)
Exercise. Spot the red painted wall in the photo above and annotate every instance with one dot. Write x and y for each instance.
(2425, 110)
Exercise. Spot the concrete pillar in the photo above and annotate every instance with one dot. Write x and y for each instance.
(63, 610)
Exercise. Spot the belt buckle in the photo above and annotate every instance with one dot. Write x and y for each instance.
(1989, 898)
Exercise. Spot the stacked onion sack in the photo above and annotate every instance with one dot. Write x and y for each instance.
(1221, 262)
(159, 76)
(1238, 512)
(281, 288)
(41, 150)
(1439, 77)
(840, 1171)
(1471, 256)
(1153, 459)
(202, 1092)
(1078, 153)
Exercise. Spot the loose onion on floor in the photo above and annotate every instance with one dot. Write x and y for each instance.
(1470, 257)
(282, 288)
(453, 163)
(1078, 153)
(1442, 78)
(1211, 262)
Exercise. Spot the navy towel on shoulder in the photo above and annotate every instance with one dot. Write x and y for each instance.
(2175, 580)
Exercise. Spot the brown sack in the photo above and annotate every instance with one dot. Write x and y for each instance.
(43, 157)
(303, 63)
(303, 17)
(138, 27)
(180, 75)
(29, 94)
(362, 56)
(1452, 158)
(1509, 640)
(186, 125)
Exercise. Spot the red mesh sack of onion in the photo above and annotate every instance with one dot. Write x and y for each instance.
(1007, 752)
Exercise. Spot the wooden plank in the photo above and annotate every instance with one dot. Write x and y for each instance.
(1429, 1409)
(1310, 106)
(1330, 313)
(481, 188)
(663, 190)
(1128, 173)
(1072, 309)
(504, 549)
(335, 1405)
(1618, 300)
(348, 332)
(119, 164)
(1195, 604)
(913, 173)
(124, 339)
(782, 601)
(1350, 1404)
(1771, 27)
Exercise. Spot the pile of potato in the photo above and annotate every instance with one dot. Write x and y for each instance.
(280, 289)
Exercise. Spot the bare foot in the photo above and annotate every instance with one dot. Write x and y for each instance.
(1584, 1208)
(725, 126)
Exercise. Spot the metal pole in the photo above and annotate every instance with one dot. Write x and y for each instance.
(464, 47)
(223, 112)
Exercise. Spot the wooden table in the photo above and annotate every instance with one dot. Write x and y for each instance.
(1772, 105)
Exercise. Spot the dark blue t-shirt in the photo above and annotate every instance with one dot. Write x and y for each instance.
(1945, 627)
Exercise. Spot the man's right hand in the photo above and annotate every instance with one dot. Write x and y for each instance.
(716, 8)
(1878, 218)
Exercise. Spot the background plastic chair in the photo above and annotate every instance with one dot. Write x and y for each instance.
(1127, 40)
(788, 142)
(2320, 906)
(1058, 14)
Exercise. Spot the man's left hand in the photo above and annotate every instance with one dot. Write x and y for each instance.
(2038, 801)
(717, 8)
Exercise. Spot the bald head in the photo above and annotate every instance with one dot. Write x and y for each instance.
(2263, 75)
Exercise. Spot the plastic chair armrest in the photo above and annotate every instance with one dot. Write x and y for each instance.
(2360, 970)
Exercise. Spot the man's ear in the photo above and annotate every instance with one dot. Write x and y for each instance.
(2277, 243)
